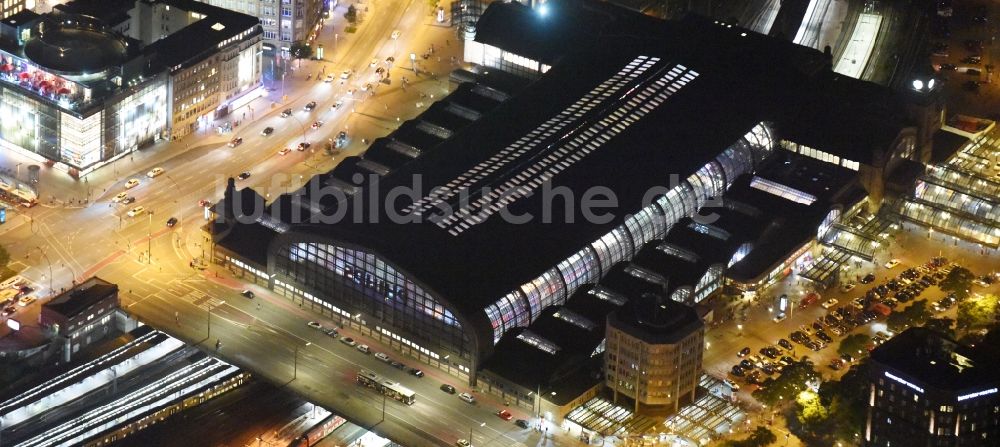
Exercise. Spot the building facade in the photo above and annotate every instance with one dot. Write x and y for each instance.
(282, 21)
(11, 7)
(927, 390)
(82, 315)
(92, 81)
(653, 354)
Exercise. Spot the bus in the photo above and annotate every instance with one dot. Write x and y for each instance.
(386, 387)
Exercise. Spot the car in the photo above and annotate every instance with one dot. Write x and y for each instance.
(390, 60)
(350, 92)
(394, 35)
(249, 294)
(972, 60)
(315, 325)
(822, 336)
(244, 175)
(505, 415)
(348, 341)
(746, 364)
(9, 310)
(332, 332)
(341, 140)
(309, 106)
(522, 423)
(373, 63)
(135, 211)
(847, 358)
(284, 151)
(329, 78)
(25, 301)
(118, 198)
(345, 75)
(836, 330)
(367, 87)
(154, 172)
(949, 67)
(830, 303)
(303, 146)
(780, 317)
(128, 200)
(286, 113)
(171, 222)
(397, 365)
(415, 372)
(892, 263)
(468, 398)
(131, 183)
(786, 360)
(267, 131)
(768, 369)
(463, 443)
(848, 287)
(836, 364)
(447, 388)
(363, 348)
(737, 371)
(732, 385)
(868, 279)
(743, 352)
(785, 344)
(235, 142)
(337, 104)
(317, 124)
(382, 356)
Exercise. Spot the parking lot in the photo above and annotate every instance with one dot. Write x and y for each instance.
(18, 302)
(962, 44)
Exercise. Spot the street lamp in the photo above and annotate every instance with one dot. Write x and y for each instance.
(149, 238)
(295, 371)
(481, 424)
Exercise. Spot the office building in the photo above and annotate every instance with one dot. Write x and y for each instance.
(282, 21)
(82, 315)
(11, 7)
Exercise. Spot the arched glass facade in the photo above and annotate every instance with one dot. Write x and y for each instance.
(360, 282)
(520, 307)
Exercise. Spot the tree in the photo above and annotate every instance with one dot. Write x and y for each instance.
(788, 384)
(761, 437)
(836, 412)
(4, 256)
(914, 315)
(942, 325)
(978, 311)
(301, 50)
(853, 345)
(958, 281)
(351, 15)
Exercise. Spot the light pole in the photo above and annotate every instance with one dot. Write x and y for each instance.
(481, 424)
(295, 370)
(149, 238)
(210, 307)
(47, 261)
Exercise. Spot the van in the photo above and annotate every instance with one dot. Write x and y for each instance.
(363, 348)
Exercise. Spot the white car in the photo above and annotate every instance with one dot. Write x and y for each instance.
(781, 317)
(25, 301)
(732, 385)
(892, 263)
(363, 348)
(463, 443)
(394, 35)
(830, 303)
(131, 183)
(847, 287)
(136, 211)
(468, 398)
(382, 356)
(345, 75)
(329, 78)
(121, 196)
(154, 172)
(374, 63)
(314, 325)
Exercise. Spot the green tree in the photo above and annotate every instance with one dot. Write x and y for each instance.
(853, 345)
(4, 256)
(913, 315)
(301, 50)
(761, 437)
(351, 15)
(958, 281)
(788, 384)
(978, 311)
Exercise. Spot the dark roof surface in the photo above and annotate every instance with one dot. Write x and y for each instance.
(186, 45)
(923, 356)
(657, 320)
(73, 301)
(743, 79)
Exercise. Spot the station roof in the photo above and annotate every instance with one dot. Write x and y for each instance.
(738, 79)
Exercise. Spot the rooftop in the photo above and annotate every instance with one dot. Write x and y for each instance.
(76, 300)
(923, 357)
(656, 319)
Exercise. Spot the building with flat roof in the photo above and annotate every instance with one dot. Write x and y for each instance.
(653, 354)
(465, 231)
(94, 80)
(283, 22)
(81, 315)
(929, 390)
